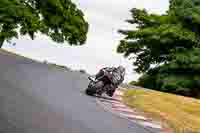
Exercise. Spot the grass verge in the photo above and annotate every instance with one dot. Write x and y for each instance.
(181, 113)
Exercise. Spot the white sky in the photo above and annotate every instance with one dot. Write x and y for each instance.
(105, 18)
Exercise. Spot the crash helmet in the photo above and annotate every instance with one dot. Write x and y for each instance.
(121, 69)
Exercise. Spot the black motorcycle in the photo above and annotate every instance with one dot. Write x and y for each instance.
(101, 84)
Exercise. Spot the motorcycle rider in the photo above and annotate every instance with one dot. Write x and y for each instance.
(117, 77)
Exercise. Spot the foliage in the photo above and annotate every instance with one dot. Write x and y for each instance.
(58, 19)
(166, 48)
(82, 71)
(133, 83)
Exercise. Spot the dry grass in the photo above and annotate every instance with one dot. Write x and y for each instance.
(181, 113)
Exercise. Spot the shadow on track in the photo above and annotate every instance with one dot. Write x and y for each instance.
(103, 97)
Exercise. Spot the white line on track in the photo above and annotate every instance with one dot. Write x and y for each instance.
(119, 106)
(150, 124)
(134, 116)
(110, 101)
(124, 110)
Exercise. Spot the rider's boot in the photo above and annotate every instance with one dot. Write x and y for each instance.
(111, 92)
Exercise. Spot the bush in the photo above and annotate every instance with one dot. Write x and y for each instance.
(171, 83)
(133, 83)
(148, 81)
(82, 71)
(45, 62)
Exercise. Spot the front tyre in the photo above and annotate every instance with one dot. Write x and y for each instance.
(95, 88)
(90, 91)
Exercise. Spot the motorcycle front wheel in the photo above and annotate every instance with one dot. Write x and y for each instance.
(95, 88)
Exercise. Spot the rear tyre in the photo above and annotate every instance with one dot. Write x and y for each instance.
(90, 91)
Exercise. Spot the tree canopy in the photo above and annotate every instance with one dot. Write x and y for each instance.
(166, 48)
(61, 20)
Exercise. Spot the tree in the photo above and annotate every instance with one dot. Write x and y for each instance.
(166, 47)
(61, 20)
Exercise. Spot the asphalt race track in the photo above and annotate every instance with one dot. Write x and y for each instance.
(36, 98)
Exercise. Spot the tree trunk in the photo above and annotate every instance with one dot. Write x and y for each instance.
(1, 43)
(198, 94)
(195, 93)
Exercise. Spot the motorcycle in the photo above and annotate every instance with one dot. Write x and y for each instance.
(101, 84)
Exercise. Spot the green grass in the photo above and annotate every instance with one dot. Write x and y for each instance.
(181, 113)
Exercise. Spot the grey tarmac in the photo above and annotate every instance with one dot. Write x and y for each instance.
(36, 98)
